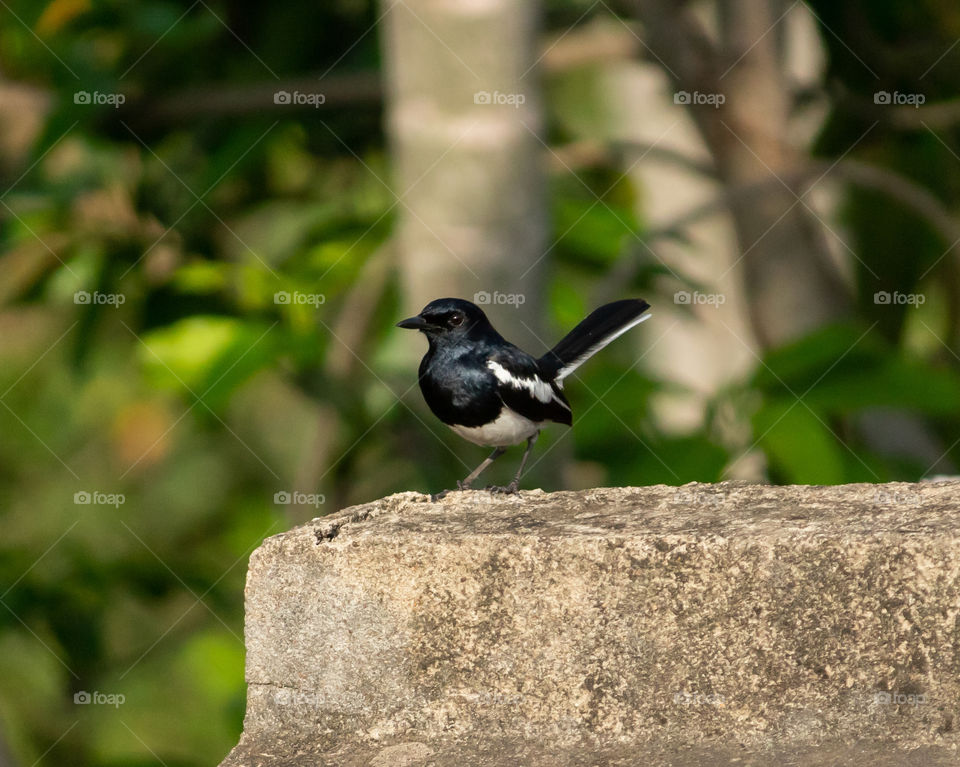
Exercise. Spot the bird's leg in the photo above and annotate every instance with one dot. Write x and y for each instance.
(514, 486)
(465, 484)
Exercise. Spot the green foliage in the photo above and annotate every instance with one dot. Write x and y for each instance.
(202, 395)
(814, 390)
(198, 396)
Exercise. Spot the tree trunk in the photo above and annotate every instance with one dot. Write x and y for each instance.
(464, 116)
(792, 285)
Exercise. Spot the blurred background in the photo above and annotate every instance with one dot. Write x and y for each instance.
(212, 213)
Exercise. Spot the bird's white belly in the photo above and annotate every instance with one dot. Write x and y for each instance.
(510, 428)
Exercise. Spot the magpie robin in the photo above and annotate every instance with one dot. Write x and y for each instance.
(492, 393)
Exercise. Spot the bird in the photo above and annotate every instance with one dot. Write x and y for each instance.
(494, 394)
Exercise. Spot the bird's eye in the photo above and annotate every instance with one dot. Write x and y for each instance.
(456, 319)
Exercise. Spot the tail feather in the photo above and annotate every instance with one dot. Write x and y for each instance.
(601, 327)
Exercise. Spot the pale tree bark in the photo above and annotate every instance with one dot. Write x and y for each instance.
(792, 285)
(23, 113)
(472, 218)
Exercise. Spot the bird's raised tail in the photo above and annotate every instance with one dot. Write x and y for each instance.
(608, 322)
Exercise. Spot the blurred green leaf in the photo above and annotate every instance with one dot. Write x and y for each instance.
(800, 447)
(894, 382)
(196, 353)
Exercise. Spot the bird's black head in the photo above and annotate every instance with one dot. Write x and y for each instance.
(448, 318)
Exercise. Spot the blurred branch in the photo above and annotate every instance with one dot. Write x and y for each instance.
(944, 114)
(23, 113)
(353, 334)
(579, 155)
(922, 202)
(228, 100)
(786, 268)
(896, 186)
(594, 43)
(353, 324)
(24, 264)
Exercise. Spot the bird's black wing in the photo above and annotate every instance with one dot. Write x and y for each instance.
(524, 390)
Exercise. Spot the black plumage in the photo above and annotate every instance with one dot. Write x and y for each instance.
(493, 393)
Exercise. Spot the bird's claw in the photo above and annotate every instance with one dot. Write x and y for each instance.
(512, 489)
(461, 485)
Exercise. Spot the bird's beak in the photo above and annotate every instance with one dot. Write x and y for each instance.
(413, 323)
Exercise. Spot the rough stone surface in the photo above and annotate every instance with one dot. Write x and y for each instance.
(707, 624)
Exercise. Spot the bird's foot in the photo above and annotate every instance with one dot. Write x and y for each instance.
(461, 485)
(512, 489)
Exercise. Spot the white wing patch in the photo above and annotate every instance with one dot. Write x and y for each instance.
(537, 387)
(571, 366)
